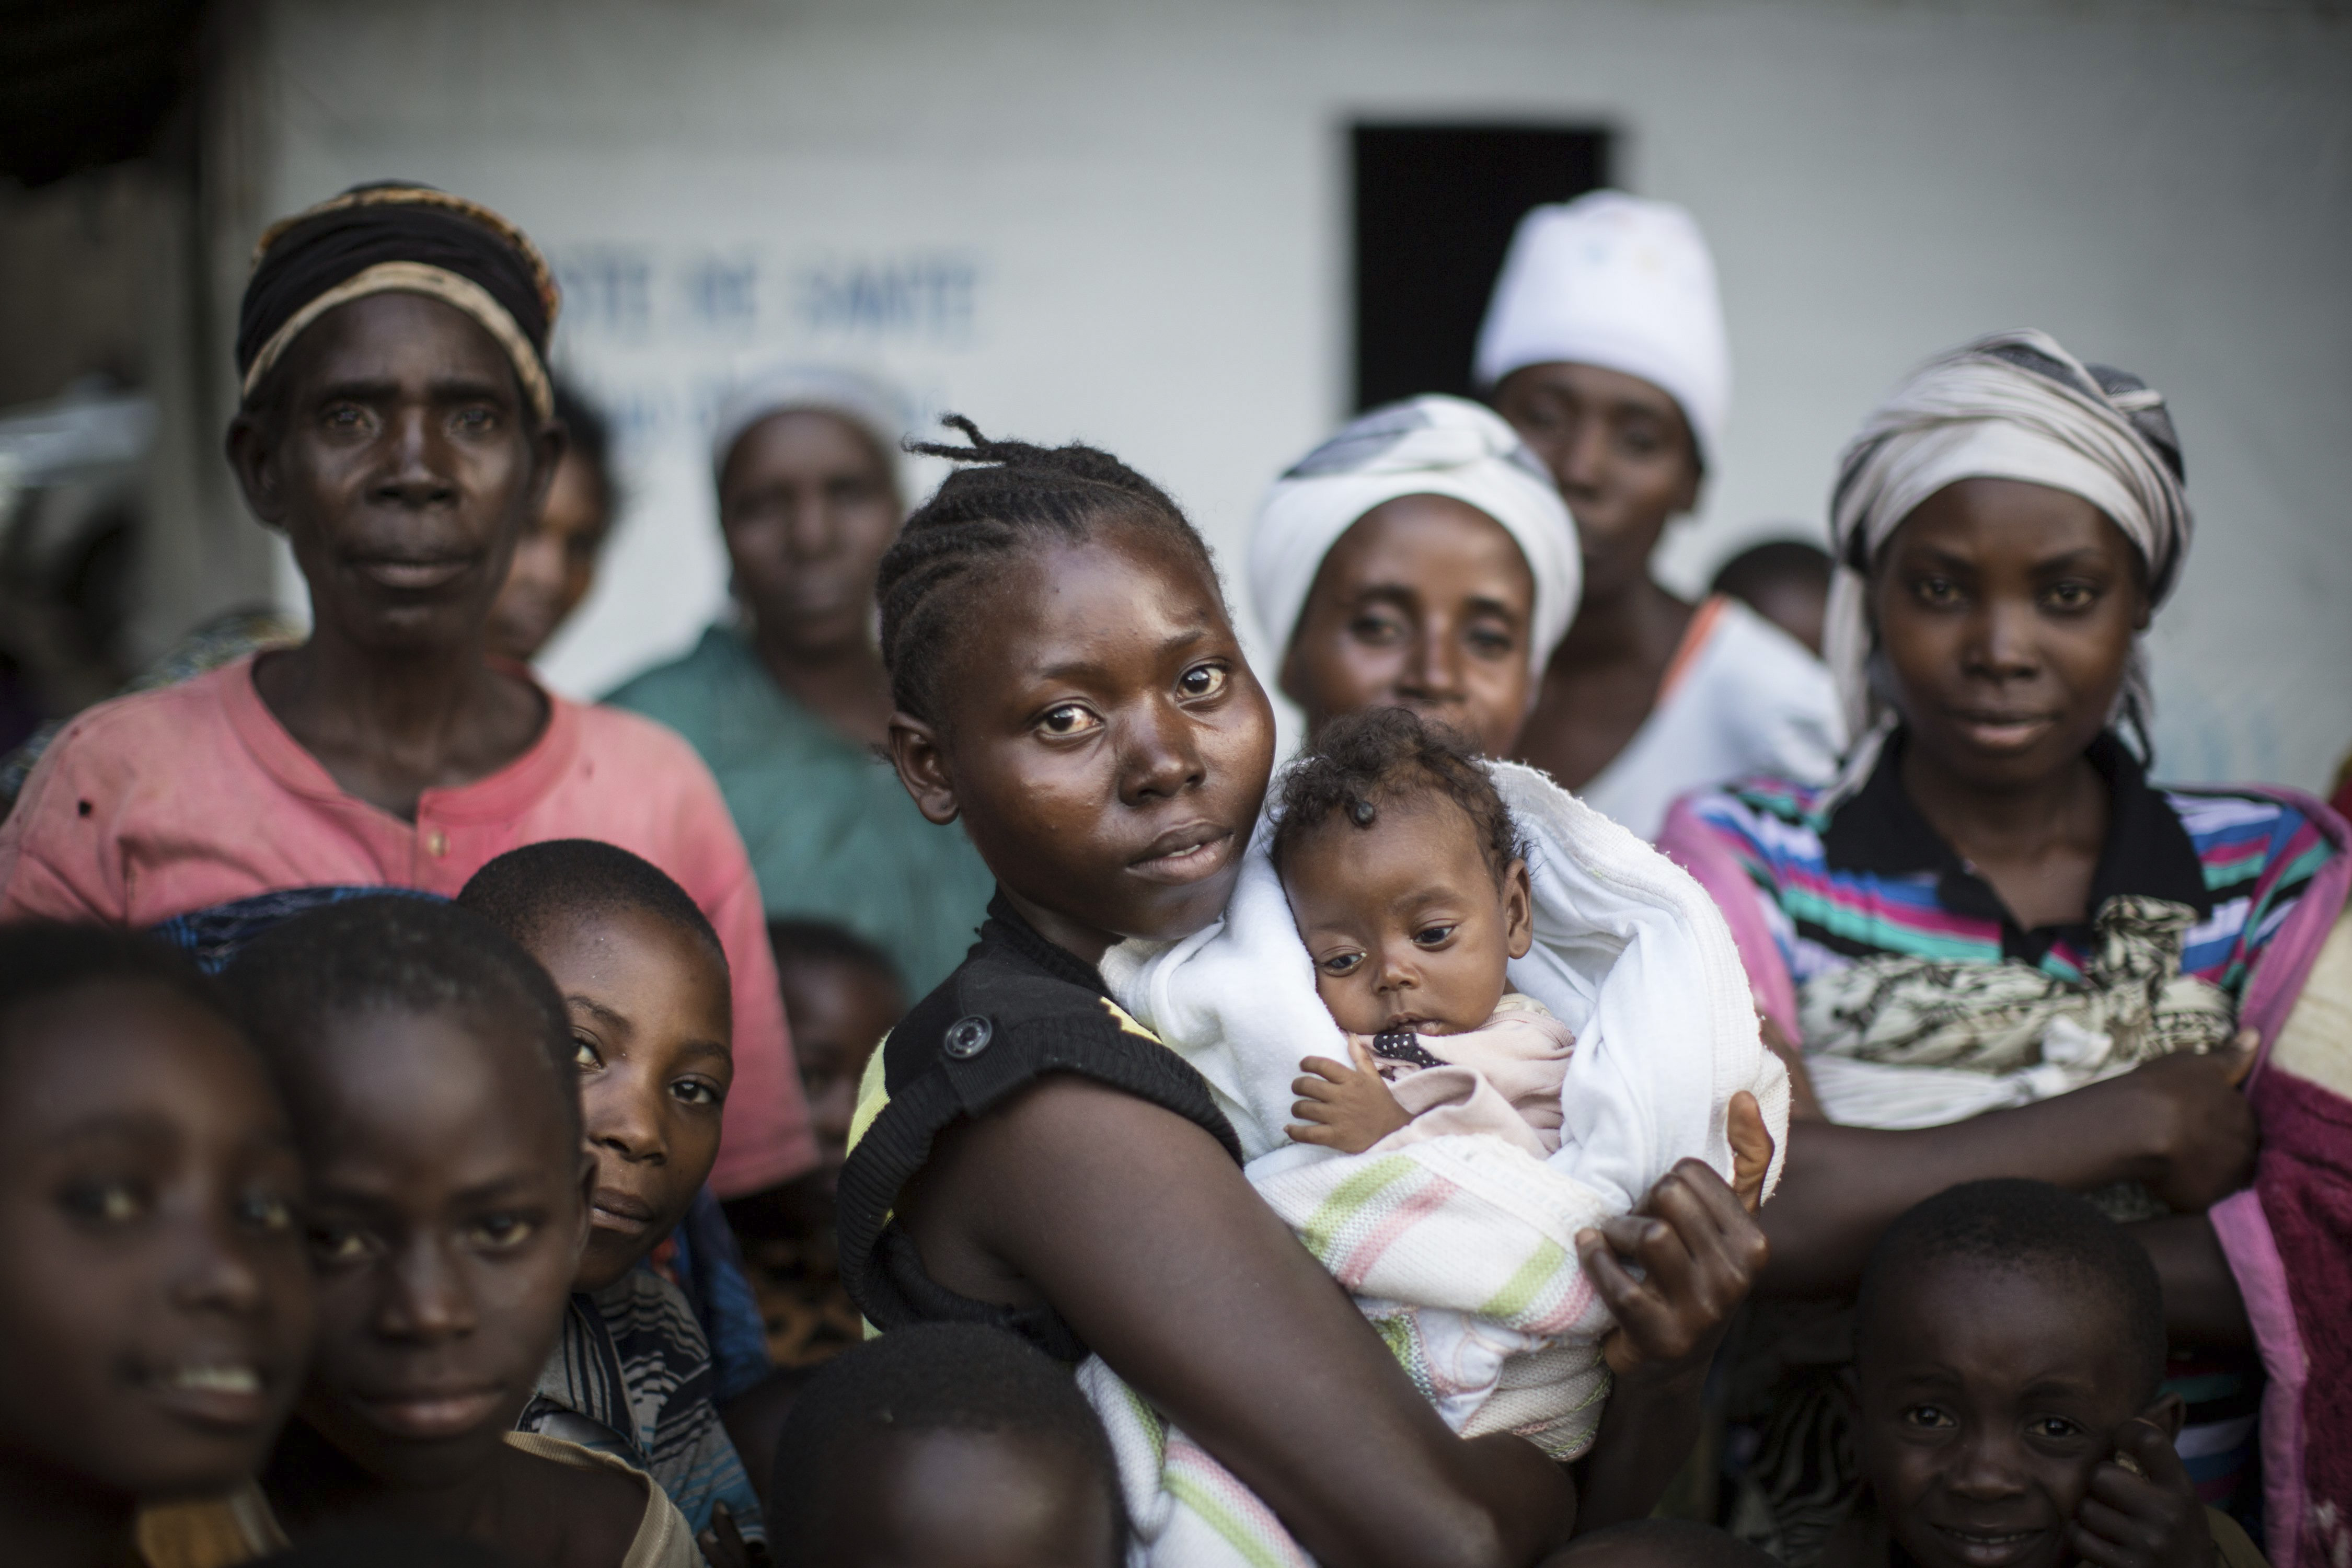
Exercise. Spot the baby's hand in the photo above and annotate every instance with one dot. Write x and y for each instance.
(1345, 1107)
(2152, 1520)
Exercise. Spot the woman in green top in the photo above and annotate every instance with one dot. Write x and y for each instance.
(790, 703)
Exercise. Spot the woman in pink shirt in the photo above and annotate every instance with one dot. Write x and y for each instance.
(398, 427)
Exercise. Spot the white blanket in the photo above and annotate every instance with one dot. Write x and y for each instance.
(1460, 1250)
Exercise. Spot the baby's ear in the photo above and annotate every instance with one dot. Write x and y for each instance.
(1519, 909)
(2165, 1414)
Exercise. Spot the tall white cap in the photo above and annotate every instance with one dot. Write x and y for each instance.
(1616, 282)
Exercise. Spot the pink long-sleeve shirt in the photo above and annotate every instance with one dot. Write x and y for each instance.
(163, 802)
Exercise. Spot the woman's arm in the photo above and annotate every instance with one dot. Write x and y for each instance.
(2177, 1124)
(1699, 1248)
(1142, 1233)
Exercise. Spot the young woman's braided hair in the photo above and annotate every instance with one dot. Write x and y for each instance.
(1389, 755)
(1011, 493)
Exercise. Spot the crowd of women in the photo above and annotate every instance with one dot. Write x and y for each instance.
(1980, 941)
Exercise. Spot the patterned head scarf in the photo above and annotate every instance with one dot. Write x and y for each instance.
(405, 238)
(2014, 405)
(1433, 445)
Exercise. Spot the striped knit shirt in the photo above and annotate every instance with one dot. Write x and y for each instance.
(1870, 877)
(632, 1377)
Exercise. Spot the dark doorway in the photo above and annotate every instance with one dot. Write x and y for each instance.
(1435, 207)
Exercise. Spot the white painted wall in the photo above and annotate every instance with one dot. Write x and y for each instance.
(1126, 221)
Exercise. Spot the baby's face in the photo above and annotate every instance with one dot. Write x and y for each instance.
(1404, 920)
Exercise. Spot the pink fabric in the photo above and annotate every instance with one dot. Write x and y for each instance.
(2245, 1233)
(163, 802)
(1501, 1079)
(1690, 844)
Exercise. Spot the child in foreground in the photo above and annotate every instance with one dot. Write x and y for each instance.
(428, 1065)
(157, 1311)
(951, 1444)
(2008, 1342)
(1410, 886)
(645, 991)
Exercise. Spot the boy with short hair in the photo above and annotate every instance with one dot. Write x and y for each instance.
(644, 985)
(953, 1445)
(841, 994)
(427, 1063)
(2009, 1346)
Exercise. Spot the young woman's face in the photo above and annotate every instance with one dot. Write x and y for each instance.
(555, 562)
(652, 1021)
(1426, 604)
(402, 463)
(809, 506)
(447, 1214)
(156, 1313)
(2006, 611)
(1101, 737)
(1621, 453)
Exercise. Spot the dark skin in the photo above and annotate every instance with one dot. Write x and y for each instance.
(448, 1209)
(554, 561)
(1626, 464)
(161, 1311)
(1118, 729)
(652, 1021)
(951, 1499)
(808, 504)
(839, 1012)
(1425, 604)
(1991, 1406)
(2006, 611)
(1409, 927)
(393, 449)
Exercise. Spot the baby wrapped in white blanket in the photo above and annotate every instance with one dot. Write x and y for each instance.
(1460, 1247)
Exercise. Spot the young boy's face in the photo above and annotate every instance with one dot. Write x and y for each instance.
(651, 1016)
(839, 1012)
(944, 1498)
(448, 1214)
(1403, 919)
(156, 1312)
(1987, 1398)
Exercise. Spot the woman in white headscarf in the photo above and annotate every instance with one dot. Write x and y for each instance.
(788, 701)
(1604, 347)
(1419, 559)
(2002, 950)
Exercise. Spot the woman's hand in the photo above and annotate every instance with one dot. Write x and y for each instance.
(1699, 1249)
(2201, 1129)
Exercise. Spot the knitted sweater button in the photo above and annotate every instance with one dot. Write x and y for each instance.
(968, 1036)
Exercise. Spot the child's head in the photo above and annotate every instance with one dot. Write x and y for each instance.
(841, 996)
(951, 1444)
(1405, 874)
(1786, 580)
(2006, 1330)
(644, 980)
(1069, 685)
(156, 1311)
(426, 1062)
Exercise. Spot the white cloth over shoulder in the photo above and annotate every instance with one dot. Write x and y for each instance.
(1743, 697)
(1423, 445)
(1620, 283)
(1461, 1249)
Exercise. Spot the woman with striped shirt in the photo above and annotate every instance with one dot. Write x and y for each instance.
(1991, 914)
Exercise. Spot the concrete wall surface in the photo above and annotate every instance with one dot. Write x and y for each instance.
(1128, 222)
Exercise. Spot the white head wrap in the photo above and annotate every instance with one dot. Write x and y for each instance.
(873, 407)
(1625, 284)
(1435, 445)
(2014, 405)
